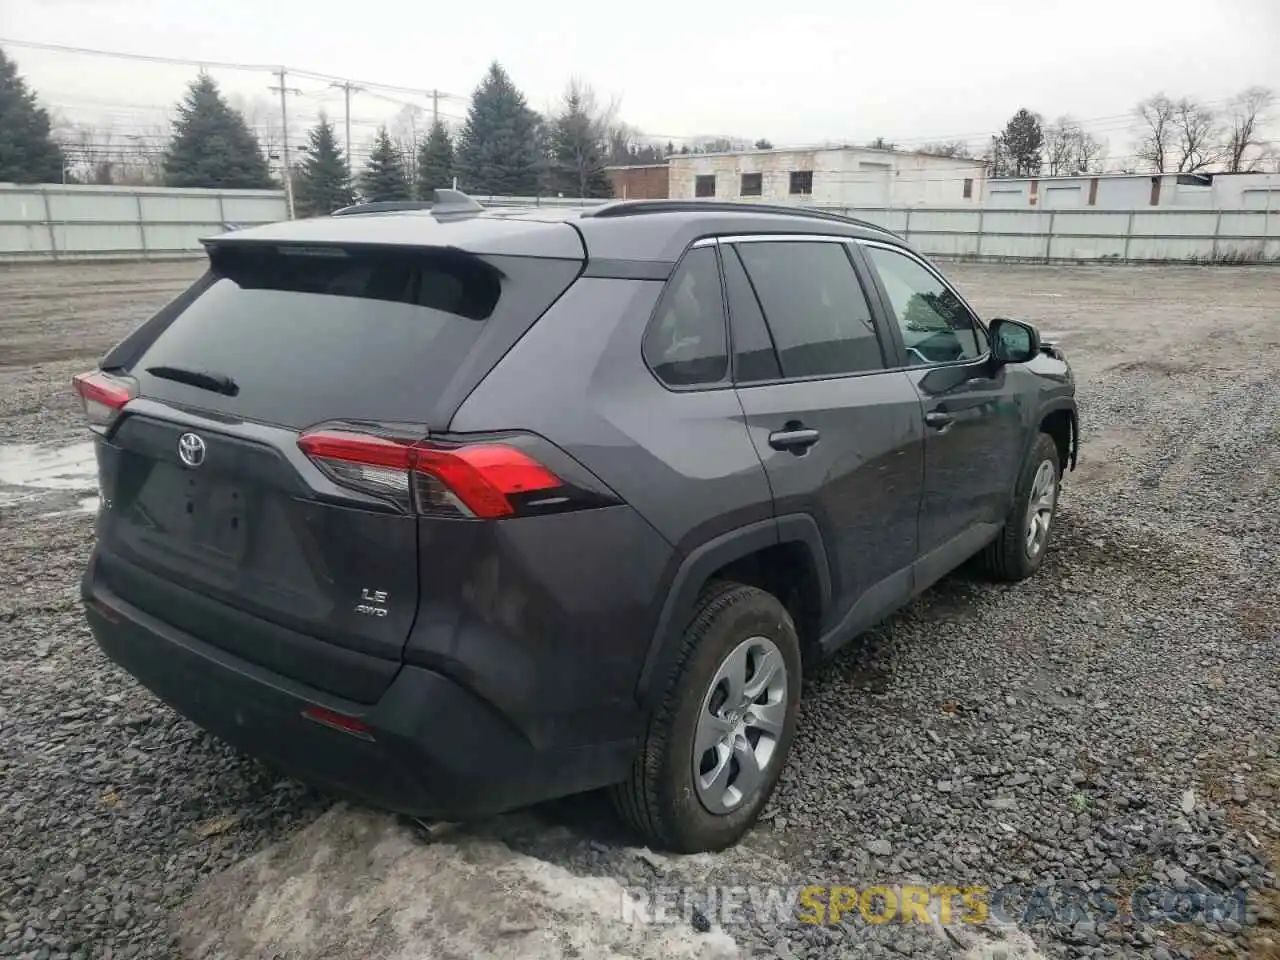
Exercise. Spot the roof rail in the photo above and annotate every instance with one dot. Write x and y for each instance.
(442, 202)
(630, 208)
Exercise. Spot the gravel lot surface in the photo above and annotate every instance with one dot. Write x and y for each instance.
(1113, 722)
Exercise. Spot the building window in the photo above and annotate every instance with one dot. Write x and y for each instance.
(801, 182)
(705, 186)
(752, 184)
(968, 188)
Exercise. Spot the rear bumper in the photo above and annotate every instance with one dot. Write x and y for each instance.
(434, 748)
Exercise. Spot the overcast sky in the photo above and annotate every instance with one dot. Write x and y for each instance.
(908, 70)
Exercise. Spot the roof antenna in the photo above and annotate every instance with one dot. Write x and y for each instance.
(453, 201)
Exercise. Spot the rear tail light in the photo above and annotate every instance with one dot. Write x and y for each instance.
(481, 480)
(103, 396)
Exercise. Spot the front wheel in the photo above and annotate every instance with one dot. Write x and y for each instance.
(1020, 548)
(719, 736)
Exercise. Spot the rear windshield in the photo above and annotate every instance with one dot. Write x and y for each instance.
(295, 336)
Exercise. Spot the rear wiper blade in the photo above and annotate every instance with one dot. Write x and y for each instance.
(216, 382)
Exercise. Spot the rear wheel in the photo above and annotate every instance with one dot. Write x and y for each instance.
(1019, 550)
(720, 734)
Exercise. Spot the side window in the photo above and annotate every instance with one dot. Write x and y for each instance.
(685, 342)
(815, 307)
(936, 326)
(754, 356)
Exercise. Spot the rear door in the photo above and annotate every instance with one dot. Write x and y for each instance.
(971, 411)
(838, 431)
(219, 523)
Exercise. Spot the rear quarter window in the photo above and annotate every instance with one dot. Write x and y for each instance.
(685, 344)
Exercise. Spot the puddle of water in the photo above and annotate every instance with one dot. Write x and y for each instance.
(32, 471)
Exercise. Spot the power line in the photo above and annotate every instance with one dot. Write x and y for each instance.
(217, 65)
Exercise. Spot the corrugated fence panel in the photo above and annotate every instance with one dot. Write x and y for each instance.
(1170, 248)
(58, 221)
(96, 239)
(1199, 223)
(20, 204)
(94, 208)
(190, 209)
(170, 238)
(24, 239)
(1017, 222)
(238, 208)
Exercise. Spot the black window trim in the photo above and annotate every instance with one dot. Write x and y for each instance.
(726, 381)
(890, 315)
(742, 183)
(889, 348)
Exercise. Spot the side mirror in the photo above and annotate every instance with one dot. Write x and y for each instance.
(1013, 341)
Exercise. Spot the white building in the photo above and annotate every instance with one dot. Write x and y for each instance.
(1126, 191)
(843, 176)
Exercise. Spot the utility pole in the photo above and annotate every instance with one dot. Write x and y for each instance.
(348, 88)
(435, 107)
(284, 138)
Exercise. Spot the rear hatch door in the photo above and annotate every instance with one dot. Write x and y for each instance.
(218, 523)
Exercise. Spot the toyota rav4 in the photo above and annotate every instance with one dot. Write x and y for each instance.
(455, 510)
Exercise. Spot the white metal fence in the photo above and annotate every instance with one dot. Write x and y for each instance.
(74, 222)
(1240, 236)
(1146, 235)
(83, 222)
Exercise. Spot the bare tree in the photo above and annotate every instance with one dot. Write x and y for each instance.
(407, 130)
(1091, 153)
(1156, 119)
(1069, 148)
(1061, 139)
(1196, 128)
(1245, 115)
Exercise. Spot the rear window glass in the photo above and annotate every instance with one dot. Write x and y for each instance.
(303, 335)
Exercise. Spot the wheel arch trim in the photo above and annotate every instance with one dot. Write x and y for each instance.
(704, 560)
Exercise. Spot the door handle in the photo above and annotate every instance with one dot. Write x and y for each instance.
(794, 437)
(939, 419)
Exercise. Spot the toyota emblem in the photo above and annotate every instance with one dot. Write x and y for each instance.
(191, 449)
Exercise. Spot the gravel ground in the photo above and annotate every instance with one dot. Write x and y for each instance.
(1112, 722)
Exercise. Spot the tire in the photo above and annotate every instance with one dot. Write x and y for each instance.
(1013, 555)
(662, 798)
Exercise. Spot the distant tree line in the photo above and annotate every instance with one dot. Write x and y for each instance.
(504, 147)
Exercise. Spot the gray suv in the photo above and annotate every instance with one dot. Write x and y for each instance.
(455, 510)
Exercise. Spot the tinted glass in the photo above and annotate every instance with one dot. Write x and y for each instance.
(754, 355)
(936, 326)
(311, 334)
(815, 307)
(685, 343)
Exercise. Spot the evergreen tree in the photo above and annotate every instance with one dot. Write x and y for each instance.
(435, 161)
(212, 146)
(27, 152)
(578, 147)
(384, 177)
(497, 149)
(322, 184)
(1021, 142)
